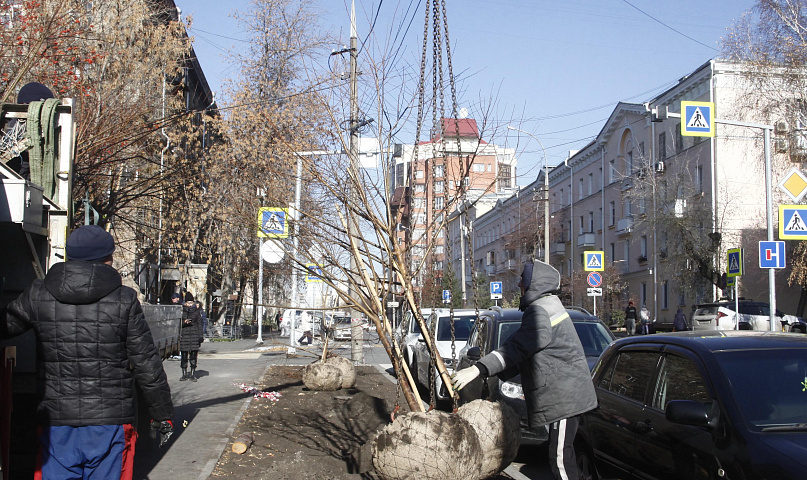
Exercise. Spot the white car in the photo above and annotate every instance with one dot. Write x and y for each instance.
(407, 334)
(440, 325)
(285, 321)
(753, 316)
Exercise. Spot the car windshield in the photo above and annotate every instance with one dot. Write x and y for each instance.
(342, 320)
(593, 336)
(768, 385)
(462, 328)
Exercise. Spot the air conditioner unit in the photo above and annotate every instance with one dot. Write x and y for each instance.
(660, 167)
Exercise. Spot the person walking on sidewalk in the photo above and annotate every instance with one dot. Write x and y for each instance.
(93, 344)
(190, 338)
(630, 319)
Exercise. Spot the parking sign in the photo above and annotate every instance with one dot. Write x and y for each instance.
(495, 290)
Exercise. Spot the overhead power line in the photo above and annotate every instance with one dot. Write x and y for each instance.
(671, 28)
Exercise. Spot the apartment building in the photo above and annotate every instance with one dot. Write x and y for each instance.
(432, 178)
(663, 207)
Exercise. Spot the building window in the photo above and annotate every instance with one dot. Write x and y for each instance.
(554, 202)
(643, 248)
(665, 303)
(420, 188)
(612, 213)
(439, 171)
(478, 167)
(626, 207)
(626, 250)
(562, 201)
(641, 151)
(490, 165)
(629, 163)
(438, 265)
(612, 251)
(644, 294)
(591, 222)
(679, 139)
(590, 183)
(438, 186)
(466, 181)
(581, 229)
(662, 146)
(438, 250)
(580, 189)
(612, 171)
(438, 203)
(419, 174)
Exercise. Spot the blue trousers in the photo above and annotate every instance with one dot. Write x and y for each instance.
(97, 452)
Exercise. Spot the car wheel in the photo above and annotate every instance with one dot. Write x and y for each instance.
(585, 463)
(797, 329)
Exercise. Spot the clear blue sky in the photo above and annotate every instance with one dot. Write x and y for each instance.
(556, 68)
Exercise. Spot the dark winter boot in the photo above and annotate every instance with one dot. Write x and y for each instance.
(192, 376)
(184, 375)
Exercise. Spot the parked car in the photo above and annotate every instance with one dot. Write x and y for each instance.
(342, 327)
(722, 316)
(698, 405)
(286, 319)
(408, 332)
(796, 324)
(490, 332)
(440, 328)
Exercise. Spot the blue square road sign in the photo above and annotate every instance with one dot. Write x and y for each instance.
(771, 254)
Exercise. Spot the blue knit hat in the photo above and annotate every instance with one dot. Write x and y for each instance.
(89, 243)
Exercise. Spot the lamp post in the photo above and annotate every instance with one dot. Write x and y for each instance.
(546, 192)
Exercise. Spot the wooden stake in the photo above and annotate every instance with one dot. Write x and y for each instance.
(243, 442)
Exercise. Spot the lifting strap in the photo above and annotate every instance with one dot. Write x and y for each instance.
(42, 154)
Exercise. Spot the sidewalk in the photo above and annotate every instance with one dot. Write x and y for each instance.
(206, 411)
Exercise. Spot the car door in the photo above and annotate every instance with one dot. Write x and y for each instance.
(478, 338)
(422, 354)
(622, 390)
(666, 450)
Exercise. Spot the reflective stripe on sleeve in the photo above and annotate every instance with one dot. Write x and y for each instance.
(558, 318)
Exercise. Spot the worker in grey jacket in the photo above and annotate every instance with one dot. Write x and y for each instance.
(554, 373)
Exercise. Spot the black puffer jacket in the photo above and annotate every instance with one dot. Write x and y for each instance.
(89, 331)
(190, 335)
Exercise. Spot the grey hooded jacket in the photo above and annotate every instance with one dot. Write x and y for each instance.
(554, 373)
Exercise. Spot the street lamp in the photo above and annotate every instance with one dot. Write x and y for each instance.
(546, 193)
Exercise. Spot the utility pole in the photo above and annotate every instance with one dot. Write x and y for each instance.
(357, 335)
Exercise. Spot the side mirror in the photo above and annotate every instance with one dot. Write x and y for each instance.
(474, 354)
(687, 412)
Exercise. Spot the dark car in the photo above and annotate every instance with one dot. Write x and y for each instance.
(493, 328)
(698, 405)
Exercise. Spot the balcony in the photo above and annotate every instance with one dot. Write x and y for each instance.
(507, 265)
(490, 270)
(624, 226)
(557, 248)
(585, 240)
(621, 266)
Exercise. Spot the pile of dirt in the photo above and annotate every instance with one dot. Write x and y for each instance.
(308, 434)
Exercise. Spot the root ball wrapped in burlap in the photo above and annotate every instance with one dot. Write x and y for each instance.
(499, 432)
(347, 369)
(427, 446)
(322, 376)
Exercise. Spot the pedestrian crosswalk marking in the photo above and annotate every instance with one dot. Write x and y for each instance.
(796, 223)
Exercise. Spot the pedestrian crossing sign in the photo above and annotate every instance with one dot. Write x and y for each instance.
(734, 262)
(313, 272)
(791, 222)
(594, 261)
(698, 119)
(272, 222)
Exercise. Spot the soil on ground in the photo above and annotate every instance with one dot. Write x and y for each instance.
(308, 434)
(313, 435)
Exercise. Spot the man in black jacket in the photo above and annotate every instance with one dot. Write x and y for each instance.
(93, 343)
(554, 372)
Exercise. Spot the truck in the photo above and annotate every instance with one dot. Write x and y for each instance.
(35, 213)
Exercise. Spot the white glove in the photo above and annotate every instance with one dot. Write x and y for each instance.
(464, 377)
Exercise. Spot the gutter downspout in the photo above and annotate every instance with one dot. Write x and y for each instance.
(160, 222)
(713, 167)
